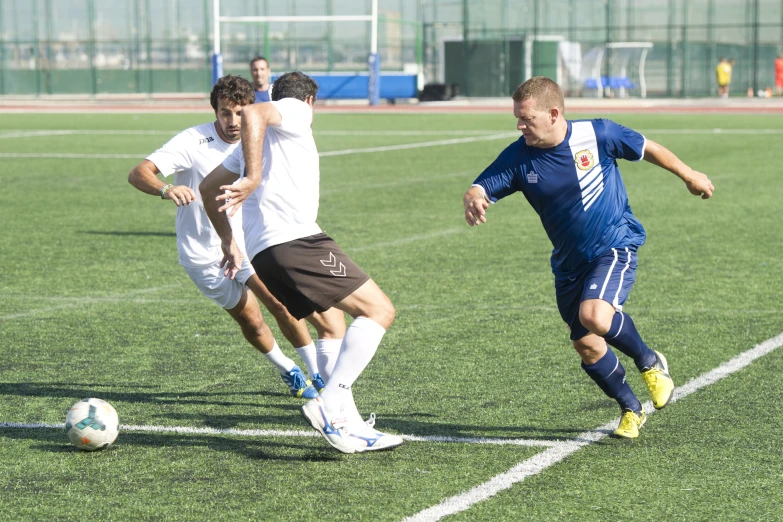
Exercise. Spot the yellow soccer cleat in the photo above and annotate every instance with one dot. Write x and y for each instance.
(629, 426)
(659, 382)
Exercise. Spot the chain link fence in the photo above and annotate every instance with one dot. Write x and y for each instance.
(483, 47)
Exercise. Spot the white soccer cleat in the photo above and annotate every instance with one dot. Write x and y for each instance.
(337, 437)
(370, 438)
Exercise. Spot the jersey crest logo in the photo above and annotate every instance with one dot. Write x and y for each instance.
(532, 177)
(584, 160)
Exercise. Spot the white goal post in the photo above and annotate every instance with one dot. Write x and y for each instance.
(373, 60)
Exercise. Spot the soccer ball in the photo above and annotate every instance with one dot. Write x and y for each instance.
(92, 424)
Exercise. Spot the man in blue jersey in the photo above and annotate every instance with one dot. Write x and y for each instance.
(568, 172)
(259, 70)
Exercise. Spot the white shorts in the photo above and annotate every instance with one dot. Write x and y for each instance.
(225, 292)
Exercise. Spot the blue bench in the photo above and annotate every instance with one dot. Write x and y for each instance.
(613, 82)
(356, 86)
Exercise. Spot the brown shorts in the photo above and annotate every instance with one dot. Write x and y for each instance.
(310, 274)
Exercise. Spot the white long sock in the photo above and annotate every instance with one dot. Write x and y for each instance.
(327, 351)
(307, 353)
(359, 346)
(279, 359)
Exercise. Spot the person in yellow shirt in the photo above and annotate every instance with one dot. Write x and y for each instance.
(723, 75)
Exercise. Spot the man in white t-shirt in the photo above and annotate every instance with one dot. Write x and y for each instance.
(190, 156)
(299, 264)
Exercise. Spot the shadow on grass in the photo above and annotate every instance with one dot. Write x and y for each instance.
(53, 440)
(409, 425)
(83, 390)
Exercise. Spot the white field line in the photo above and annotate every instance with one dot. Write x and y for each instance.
(28, 133)
(405, 240)
(344, 152)
(418, 145)
(38, 133)
(386, 148)
(63, 155)
(397, 182)
(21, 133)
(555, 454)
(450, 132)
(289, 433)
(83, 301)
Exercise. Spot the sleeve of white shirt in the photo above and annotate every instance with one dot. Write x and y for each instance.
(174, 156)
(235, 161)
(297, 116)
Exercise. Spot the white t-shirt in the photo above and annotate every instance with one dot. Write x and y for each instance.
(285, 205)
(191, 155)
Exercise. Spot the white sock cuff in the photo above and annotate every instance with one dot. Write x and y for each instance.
(305, 347)
(328, 345)
(367, 324)
(280, 360)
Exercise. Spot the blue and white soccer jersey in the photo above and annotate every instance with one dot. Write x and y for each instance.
(579, 195)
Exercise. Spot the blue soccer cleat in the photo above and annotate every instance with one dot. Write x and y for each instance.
(318, 383)
(298, 384)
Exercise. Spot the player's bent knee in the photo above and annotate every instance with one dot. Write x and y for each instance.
(590, 352)
(384, 314)
(595, 319)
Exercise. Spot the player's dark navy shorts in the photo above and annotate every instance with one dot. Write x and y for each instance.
(609, 277)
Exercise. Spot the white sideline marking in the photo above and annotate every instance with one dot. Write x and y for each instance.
(36, 133)
(403, 146)
(288, 433)
(31, 133)
(84, 300)
(386, 148)
(342, 188)
(482, 440)
(20, 133)
(24, 133)
(58, 155)
(418, 145)
(405, 240)
(451, 132)
(552, 456)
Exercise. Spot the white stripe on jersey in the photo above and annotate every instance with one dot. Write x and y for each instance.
(591, 181)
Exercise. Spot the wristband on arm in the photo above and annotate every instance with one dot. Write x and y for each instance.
(164, 189)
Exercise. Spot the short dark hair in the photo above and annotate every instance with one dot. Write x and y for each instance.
(232, 88)
(294, 85)
(542, 89)
(254, 60)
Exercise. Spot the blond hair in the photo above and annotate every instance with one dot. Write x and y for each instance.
(543, 90)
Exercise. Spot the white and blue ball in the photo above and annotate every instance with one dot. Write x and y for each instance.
(92, 424)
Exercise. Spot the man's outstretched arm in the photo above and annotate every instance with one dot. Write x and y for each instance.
(144, 177)
(210, 188)
(698, 184)
(255, 119)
